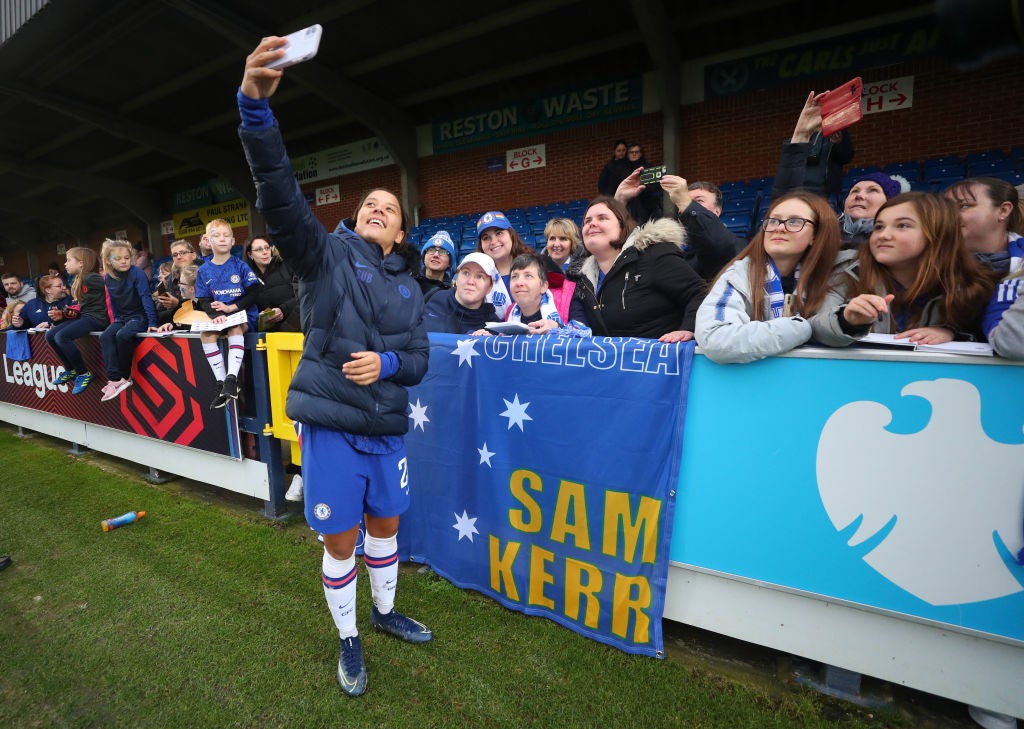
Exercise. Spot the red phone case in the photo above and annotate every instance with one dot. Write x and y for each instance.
(840, 108)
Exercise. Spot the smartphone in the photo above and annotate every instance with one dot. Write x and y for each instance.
(840, 107)
(302, 45)
(650, 175)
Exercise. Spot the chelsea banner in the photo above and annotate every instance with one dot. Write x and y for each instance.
(543, 470)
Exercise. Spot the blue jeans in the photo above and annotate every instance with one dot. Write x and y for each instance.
(118, 343)
(61, 339)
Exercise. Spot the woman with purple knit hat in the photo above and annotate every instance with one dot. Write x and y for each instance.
(865, 197)
(868, 194)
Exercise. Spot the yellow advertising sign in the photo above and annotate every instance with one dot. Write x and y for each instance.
(193, 222)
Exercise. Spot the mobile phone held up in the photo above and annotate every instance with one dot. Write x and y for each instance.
(302, 46)
(650, 175)
(840, 107)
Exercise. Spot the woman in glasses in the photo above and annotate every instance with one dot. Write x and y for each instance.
(915, 279)
(168, 293)
(646, 205)
(759, 305)
(47, 309)
(278, 303)
(438, 256)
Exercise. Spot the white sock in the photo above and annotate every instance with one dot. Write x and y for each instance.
(216, 360)
(381, 557)
(339, 576)
(236, 352)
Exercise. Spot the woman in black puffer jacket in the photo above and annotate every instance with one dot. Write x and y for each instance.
(278, 297)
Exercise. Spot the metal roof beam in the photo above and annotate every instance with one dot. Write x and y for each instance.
(143, 203)
(67, 220)
(174, 145)
(473, 29)
(394, 127)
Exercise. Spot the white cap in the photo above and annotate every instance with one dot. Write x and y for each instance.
(483, 260)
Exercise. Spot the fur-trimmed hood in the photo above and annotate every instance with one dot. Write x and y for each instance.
(659, 230)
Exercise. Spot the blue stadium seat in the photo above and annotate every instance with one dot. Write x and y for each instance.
(1014, 178)
(992, 167)
(733, 185)
(743, 206)
(910, 170)
(946, 162)
(855, 172)
(741, 193)
(943, 173)
(940, 183)
(990, 155)
(759, 183)
(737, 223)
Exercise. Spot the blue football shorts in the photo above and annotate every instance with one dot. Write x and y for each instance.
(340, 483)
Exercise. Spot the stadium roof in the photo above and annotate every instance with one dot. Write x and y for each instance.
(108, 106)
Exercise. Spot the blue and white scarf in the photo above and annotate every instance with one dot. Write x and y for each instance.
(1009, 288)
(547, 311)
(773, 289)
(1016, 248)
(499, 296)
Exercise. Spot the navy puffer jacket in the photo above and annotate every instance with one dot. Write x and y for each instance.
(353, 298)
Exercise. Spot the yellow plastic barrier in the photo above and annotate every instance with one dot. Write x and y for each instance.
(283, 353)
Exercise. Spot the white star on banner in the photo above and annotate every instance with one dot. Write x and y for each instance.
(465, 525)
(418, 415)
(516, 412)
(485, 455)
(466, 352)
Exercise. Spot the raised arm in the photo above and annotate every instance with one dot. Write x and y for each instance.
(793, 163)
(809, 120)
(259, 82)
(296, 232)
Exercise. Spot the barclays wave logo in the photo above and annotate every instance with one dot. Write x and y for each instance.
(937, 512)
